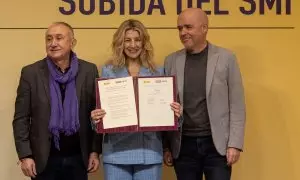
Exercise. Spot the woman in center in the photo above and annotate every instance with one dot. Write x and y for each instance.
(138, 155)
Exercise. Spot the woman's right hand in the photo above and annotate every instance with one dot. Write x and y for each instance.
(97, 115)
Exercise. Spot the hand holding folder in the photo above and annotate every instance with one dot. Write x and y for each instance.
(136, 104)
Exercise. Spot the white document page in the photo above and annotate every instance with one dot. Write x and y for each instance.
(155, 97)
(117, 98)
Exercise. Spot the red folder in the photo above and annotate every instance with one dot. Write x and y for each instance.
(136, 128)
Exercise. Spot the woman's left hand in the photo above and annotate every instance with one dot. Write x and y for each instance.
(176, 107)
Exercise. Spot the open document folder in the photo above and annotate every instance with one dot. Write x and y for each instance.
(136, 104)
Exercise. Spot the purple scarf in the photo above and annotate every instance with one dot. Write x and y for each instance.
(64, 117)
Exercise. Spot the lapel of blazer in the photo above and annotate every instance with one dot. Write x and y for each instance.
(180, 64)
(212, 59)
(44, 74)
(144, 72)
(121, 72)
(79, 80)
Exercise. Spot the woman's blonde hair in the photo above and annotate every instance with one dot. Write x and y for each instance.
(118, 58)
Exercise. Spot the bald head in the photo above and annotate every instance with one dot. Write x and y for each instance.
(192, 25)
(65, 25)
(195, 13)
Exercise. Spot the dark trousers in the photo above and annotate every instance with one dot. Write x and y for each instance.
(64, 168)
(199, 156)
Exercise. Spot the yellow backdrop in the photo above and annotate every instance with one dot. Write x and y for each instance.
(268, 57)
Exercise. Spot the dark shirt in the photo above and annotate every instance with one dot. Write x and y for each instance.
(196, 120)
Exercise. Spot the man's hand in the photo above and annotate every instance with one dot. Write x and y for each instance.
(168, 159)
(93, 162)
(232, 155)
(28, 167)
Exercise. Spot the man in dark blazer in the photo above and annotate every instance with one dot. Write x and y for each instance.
(211, 93)
(52, 129)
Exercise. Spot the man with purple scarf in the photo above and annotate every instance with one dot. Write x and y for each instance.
(55, 96)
